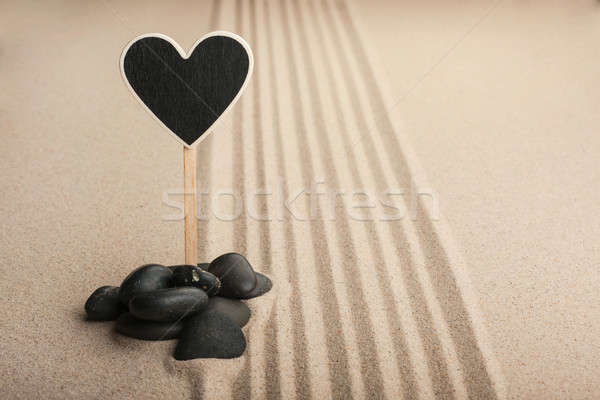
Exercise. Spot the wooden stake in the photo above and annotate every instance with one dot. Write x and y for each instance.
(190, 204)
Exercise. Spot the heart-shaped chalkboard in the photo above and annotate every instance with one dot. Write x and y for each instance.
(187, 93)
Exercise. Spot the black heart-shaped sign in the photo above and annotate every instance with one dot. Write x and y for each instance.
(187, 93)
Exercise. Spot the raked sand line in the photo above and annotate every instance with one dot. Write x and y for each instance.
(264, 384)
(428, 332)
(360, 309)
(482, 374)
(414, 282)
(398, 325)
(288, 311)
(355, 245)
(328, 297)
(309, 331)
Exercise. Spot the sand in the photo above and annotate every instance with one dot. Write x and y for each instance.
(462, 305)
(501, 101)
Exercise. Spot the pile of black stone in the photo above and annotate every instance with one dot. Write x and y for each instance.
(201, 305)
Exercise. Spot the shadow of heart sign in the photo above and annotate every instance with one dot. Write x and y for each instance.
(187, 94)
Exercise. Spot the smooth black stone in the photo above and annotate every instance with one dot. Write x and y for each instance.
(144, 279)
(168, 304)
(263, 285)
(210, 335)
(130, 326)
(189, 275)
(236, 310)
(203, 266)
(104, 305)
(236, 274)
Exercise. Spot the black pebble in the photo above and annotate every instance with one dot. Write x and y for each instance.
(168, 304)
(130, 326)
(210, 335)
(236, 274)
(236, 310)
(104, 305)
(263, 285)
(189, 275)
(203, 266)
(145, 279)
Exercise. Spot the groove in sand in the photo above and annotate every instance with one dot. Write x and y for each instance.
(458, 319)
(384, 276)
(409, 265)
(357, 274)
(270, 348)
(295, 308)
(336, 348)
(437, 366)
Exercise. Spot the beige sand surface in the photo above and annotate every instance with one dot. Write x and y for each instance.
(360, 309)
(501, 101)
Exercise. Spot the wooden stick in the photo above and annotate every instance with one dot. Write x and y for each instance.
(190, 204)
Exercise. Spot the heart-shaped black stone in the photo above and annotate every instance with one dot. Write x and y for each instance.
(187, 95)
